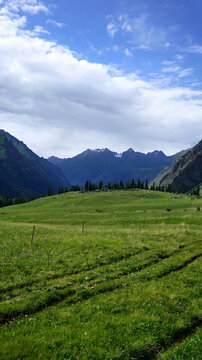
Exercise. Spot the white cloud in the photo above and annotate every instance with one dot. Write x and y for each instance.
(144, 47)
(195, 49)
(179, 57)
(60, 105)
(39, 30)
(167, 44)
(168, 63)
(111, 29)
(127, 26)
(127, 52)
(28, 6)
(34, 9)
(95, 50)
(185, 72)
(140, 29)
(53, 22)
(172, 68)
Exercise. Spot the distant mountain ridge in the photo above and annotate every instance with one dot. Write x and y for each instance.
(110, 166)
(23, 173)
(186, 173)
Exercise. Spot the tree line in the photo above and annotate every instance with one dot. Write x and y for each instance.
(91, 186)
(7, 201)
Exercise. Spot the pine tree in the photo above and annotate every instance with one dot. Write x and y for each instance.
(75, 188)
(86, 185)
(100, 186)
(121, 184)
(115, 186)
(90, 187)
(127, 185)
(132, 184)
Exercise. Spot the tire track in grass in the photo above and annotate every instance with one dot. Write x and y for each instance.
(60, 276)
(180, 267)
(88, 293)
(79, 295)
(63, 293)
(135, 268)
(180, 336)
(149, 353)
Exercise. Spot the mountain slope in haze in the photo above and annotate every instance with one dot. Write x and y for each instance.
(22, 172)
(187, 171)
(168, 166)
(106, 165)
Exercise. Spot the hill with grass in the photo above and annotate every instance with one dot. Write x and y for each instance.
(186, 173)
(101, 275)
(23, 173)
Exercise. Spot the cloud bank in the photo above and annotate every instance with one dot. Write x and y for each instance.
(60, 104)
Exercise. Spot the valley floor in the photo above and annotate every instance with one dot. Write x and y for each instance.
(107, 275)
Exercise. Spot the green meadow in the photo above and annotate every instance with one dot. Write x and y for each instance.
(105, 275)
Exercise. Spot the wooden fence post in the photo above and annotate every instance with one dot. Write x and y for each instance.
(33, 231)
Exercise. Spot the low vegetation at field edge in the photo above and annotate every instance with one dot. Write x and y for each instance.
(109, 275)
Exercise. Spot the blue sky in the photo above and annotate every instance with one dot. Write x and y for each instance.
(151, 37)
(101, 73)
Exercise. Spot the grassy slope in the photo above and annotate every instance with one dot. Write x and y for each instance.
(119, 291)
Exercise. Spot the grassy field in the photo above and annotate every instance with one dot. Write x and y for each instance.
(127, 287)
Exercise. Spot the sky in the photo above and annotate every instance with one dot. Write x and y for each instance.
(78, 74)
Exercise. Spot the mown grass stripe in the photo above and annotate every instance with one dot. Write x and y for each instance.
(84, 294)
(185, 346)
(60, 276)
(180, 267)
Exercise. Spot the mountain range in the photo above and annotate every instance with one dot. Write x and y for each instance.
(23, 173)
(109, 166)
